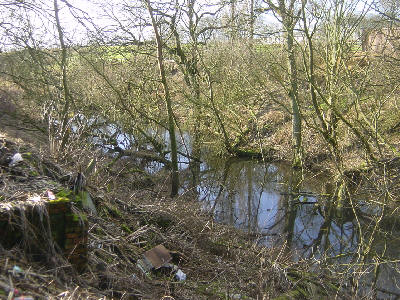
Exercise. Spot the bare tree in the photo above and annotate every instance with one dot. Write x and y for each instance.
(168, 101)
(65, 86)
(328, 33)
(288, 13)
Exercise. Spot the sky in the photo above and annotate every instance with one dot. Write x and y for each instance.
(100, 12)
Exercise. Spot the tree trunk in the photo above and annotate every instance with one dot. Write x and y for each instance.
(233, 25)
(67, 95)
(293, 94)
(168, 102)
(252, 20)
(289, 16)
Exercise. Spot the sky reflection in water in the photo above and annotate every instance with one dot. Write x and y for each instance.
(259, 198)
(255, 197)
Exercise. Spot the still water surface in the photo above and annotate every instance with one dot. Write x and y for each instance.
(260, 199)
(263, 199)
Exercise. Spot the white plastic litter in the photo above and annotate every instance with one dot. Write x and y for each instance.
(17, 271)
(180, 275)
(16, 159)
(35, 198)
(51, 195)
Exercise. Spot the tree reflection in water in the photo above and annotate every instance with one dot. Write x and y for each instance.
(277, 207)
(354, 235)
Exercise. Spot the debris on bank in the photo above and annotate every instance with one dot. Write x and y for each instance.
(157, 258)
(140, 244)
(154, 259)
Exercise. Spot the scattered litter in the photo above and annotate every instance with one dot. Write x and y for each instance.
(180, 275)
(8, 289)
(16, 159)
(6, 206)
(50, 195)
(35, 198)
(154, 259)
(157, 257)
(17, 271)
(170, 266)
(24, 298)
(145, 268)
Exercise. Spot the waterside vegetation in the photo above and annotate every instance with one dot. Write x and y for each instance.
(171, 84)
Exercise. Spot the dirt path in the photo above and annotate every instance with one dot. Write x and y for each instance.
(20, 129)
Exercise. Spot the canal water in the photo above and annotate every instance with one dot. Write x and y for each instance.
(264, 200)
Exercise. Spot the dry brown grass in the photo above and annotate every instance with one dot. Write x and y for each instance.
(220, 261)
